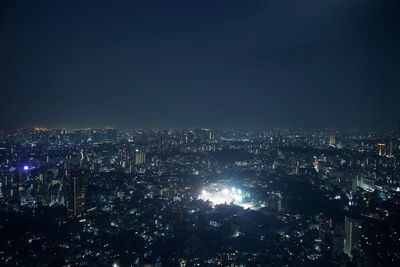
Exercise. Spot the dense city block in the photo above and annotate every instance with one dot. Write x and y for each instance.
(199, 197)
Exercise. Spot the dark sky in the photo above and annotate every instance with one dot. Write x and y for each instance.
(217, 63)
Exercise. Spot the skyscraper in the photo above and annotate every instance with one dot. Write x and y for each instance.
(325, 224)
(381, 149)
(140, 157)
(355, 183)
(391, 149)
(352, 234)
(332, 140)
(111, 134)
(75, 193)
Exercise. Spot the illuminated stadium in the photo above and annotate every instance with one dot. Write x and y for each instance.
(221, 194)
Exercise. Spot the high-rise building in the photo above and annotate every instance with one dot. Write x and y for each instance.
(140, 157)
(297, 170)
(325, 224)
(391, 149)
(332, 140)
(381, 149)
(355, 183)
(353, 229)
(111, 134)
(75, 193)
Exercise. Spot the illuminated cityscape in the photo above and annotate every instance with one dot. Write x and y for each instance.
(200, 133)
(277, 196)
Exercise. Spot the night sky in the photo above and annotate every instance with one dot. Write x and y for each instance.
(331, 63)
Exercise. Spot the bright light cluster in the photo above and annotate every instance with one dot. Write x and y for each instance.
(224, 196)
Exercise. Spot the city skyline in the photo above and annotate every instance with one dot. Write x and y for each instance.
(208, 197)
(199, 133)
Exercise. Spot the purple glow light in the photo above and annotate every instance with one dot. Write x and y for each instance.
(26, 168)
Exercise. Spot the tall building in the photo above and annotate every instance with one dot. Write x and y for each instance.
(111, 134)
(332, 140)
(325, 224)
(140, 157)
(353, 229)
(381, 149)
(355, 183)
(391, 149)
(297, 170)
(75, 193)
